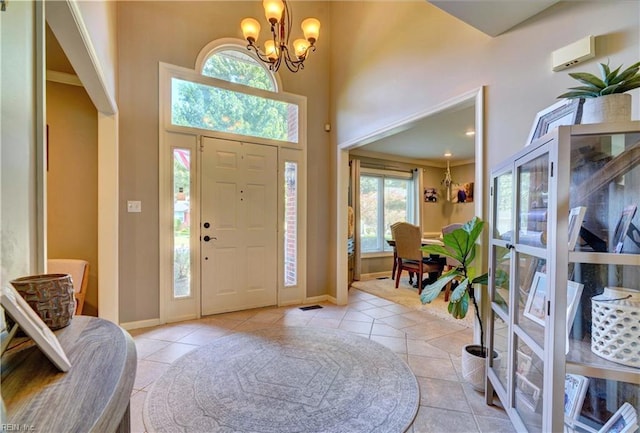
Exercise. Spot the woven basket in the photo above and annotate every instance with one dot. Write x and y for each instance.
(50, 295)
(615, 332)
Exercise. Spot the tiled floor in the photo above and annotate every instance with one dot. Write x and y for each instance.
(429, 345)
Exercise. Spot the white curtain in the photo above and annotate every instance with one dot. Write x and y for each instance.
(354, 199)
(418, 183)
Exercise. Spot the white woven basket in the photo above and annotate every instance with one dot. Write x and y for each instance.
(615, 332)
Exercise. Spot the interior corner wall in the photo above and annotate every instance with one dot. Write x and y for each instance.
(72, 181)
(144, 40)
(17, 135)
(443, 212)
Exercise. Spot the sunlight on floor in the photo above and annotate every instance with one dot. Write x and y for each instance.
(430, 345)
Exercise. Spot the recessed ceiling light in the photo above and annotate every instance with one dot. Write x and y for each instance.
(470, 133)
(447, 155)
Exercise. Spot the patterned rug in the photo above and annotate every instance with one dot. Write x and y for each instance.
(285, 380)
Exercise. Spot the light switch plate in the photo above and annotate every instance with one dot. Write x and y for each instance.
(134, 206)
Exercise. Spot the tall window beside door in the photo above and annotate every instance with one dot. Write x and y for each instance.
(386, 197)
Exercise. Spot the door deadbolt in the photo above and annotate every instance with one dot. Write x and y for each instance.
(207, 225)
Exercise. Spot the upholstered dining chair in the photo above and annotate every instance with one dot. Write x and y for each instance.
(395, 252)
(408, 247)
(451, 263)
(79, 271)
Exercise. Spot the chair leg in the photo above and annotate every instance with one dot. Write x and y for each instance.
(398, 272)
(447, 291)
(395, 264)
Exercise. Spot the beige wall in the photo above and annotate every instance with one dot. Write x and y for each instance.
(175, 32)
(441, 213)
(18, 233)
(72, 189)
(382, 67)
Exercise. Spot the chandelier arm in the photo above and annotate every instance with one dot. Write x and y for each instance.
(287, 20)
(261, 56)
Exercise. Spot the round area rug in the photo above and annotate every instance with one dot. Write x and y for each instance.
(285, 380)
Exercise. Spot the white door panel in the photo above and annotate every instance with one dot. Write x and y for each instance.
(239, 203)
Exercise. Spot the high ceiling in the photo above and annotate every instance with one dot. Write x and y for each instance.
(428, 139)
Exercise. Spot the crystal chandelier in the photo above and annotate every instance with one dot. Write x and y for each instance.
(276, 50)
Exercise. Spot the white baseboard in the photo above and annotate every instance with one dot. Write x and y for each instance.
(140, 324)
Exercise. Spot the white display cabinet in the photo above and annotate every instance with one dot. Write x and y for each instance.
(562, 229)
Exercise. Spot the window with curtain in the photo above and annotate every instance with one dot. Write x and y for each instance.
(386, 197)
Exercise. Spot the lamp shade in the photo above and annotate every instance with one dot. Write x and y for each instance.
(270, 50)
(311, 29)
(300, 47)
(273, 10)
(250, 29)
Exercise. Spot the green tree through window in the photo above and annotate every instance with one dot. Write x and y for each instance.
(208, 107)
(237, 67)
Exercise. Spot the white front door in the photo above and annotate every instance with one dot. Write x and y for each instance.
(238, 233)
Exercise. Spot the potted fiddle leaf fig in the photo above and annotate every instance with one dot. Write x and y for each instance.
(460, 245)
(605, 97)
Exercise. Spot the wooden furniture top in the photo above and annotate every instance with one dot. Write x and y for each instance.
(93, 396)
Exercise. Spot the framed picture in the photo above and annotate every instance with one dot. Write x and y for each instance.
(527, 392)
(576, 216)
(622, 227)
(462, 193)
(34, 327)
(565, 112)
(523, 362)
(574, 292)
(575, 388)
(625, 420)
(535, 309)
(430, 195)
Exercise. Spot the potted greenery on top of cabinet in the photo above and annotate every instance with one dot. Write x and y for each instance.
(605, 97)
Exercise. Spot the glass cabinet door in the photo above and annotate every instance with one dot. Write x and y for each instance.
(532, 294)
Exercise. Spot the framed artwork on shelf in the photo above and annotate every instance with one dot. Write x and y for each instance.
(34, 327)
(576, 216)
(565, 112)
(536, 301)
(524, 362)
(527, 392)
(575, 388)
(622, 227)
(625, 420)
(574, 292)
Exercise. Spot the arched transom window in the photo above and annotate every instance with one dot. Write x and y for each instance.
(237, 67)
(259, 113)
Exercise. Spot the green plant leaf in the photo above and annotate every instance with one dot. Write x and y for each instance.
(634, 83)
(459, 309)
(625, 75)
(484, 279)
(431, 291)
(439, 250)
(578, 94)
(610, 89)
(459, 291)
(609, 75)
(588, 79)
(604, 70)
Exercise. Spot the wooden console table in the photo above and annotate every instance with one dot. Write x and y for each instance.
(93, 396)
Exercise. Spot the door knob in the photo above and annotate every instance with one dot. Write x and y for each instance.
(208, 238)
